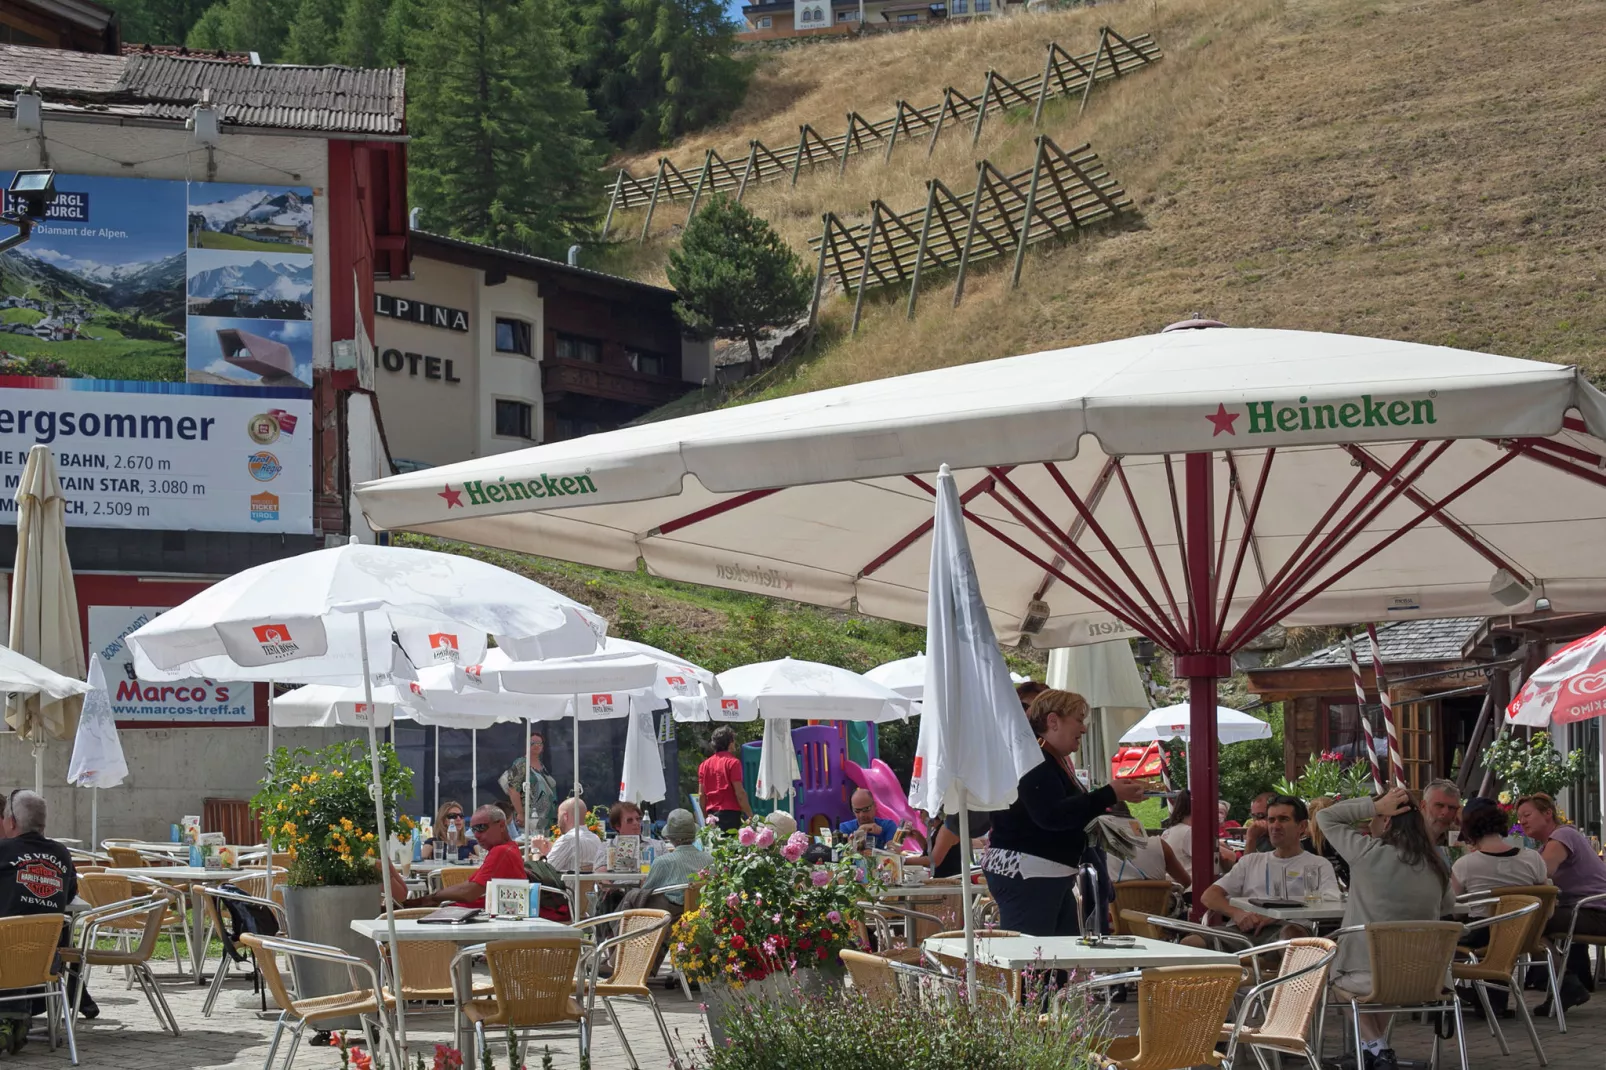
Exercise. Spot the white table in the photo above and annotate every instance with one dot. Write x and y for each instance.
(193, 878)
(474, 932)
(1068, 953)
(915, 891)
(1328, 910)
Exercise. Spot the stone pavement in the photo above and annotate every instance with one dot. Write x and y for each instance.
(236, 1036)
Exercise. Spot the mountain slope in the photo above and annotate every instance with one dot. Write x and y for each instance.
(1426, 171)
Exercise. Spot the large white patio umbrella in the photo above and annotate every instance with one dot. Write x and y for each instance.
(44, 608)
(265, 622)
(907, 676)
(1171, 722)
(97, 753)
(1195, 486)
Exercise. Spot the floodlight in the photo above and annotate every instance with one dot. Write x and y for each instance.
(32, 192)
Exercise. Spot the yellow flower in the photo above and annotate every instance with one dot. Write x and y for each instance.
(312, 778)
(295, 789)
(1505, 798)
(337, 773)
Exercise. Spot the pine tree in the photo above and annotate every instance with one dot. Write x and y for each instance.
(310, 38)
(595, 32)
(406, 26)
(735, 276)
(503, 146)
(680, 55)
(259, 26)
(361, 39)
(159, 22)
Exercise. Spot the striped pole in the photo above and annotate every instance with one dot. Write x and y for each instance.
(1396, 761)
(1360, 706)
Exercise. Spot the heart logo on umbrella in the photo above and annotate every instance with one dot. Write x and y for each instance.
(1588, 684)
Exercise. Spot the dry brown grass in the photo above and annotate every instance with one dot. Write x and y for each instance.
(1425, 170)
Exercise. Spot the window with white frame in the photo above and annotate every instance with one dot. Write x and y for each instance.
(960, 7)
(514, 419)
(764, 22)
(983, 6)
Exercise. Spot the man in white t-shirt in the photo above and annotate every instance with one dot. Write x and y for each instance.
(560, 852)
(1287, 871)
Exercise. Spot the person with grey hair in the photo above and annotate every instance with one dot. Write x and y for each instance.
(36, 877)
(1441, 809)
(502, 862)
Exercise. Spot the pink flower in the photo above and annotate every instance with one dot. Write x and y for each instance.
(711, 821)
(834, 916)
(766, 836)
(820, 877)
(748, 836)
(792, 852)
(775, 919)
(800, 839)
(733, 900)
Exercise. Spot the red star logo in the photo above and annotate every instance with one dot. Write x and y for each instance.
(1223, 420)
(454, 498)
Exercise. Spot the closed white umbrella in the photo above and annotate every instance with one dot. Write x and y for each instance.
(777, 765)
(1171, 722)
(44, 607)
(97, 754)
(975, 742)
(265, 622)
(642, 778)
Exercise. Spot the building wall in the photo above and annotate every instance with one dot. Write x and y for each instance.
(509, 376)
(427, 420)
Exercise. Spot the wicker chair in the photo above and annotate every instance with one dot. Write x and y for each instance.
(28, 970)
(880, 979)
(223, 904)
(1145, 897)
(534, 982)
(105, 889)
(126, 858)
(149, 914)
(1512, 928)
(363, 1001)
(426, 965)
(450, 875)
(1180, 1011)
(1537, 956)
(1005, 985)
(1291, 1023)
(641, 933)
(1564, 944)
(1409, 962)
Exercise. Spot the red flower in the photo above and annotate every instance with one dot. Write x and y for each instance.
(738, 924)
(804, 943)
(738, 942)
(827, 935)
(823, 954)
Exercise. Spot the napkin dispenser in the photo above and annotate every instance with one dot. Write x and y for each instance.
(507, 898)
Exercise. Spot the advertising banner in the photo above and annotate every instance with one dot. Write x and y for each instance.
(151, 331)
(191, 701)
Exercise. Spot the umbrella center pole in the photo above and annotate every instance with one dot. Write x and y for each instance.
(965, 890)
(1203, 666)
(383, 836)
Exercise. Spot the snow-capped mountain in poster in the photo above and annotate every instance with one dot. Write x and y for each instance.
(255, 285)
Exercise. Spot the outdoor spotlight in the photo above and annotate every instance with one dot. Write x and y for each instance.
(1143, 651)
(1542, 605)
(1037, 612)
(1507, 589)
(30, 193)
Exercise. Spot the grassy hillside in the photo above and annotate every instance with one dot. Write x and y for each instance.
(1426, 171)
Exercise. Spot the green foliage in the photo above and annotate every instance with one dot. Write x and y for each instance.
(1329, 775)
(260, 26)
(1246, 769)
(1532, 765)
(316, 805)
(310, 38)
(736, 277)
(763, 910)
(159, 22)
(504, 149)
(361, 39)
(846, 1031)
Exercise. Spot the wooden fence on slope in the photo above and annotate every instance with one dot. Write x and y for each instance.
(1058, 195)
(1063, 75)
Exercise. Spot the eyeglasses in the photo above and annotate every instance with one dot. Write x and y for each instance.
(481, 827)
(454, 817)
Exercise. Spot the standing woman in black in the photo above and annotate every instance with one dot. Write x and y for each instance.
(1037, 844)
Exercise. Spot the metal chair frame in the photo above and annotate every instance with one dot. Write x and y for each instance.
(1264, 989)
(585, 978)
(1513, 986)
(153, 908)
(52, 989)
(598, 954)
(1528, 961)
(294, 949)
(1451, 1004)
(213, 895)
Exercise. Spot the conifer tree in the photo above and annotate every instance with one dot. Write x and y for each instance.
(503, 146)
(360, 38)
(310, 37)
(680, 55)
(736, 277)
(259, 26)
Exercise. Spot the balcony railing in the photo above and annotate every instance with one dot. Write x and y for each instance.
(563, 376)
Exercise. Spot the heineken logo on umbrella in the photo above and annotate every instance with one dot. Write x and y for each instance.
(504, 490)
(1271, 417)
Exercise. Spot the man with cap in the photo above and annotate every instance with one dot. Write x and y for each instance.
(678, 865)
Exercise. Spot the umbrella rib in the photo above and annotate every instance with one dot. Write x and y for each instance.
(1298, 571)
(1075, 555)
(986, 526)
(1406, 528)
(1182, 542)
(1109, 544)
(1455, 526)
(1143, 529)
(1074, 532)
(711, 511)
(1248, 540)
(920, 530)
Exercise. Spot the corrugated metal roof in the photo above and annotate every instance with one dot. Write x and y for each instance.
(158, 86)
(1404, 641)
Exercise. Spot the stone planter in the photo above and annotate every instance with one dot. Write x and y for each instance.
(324, 916)
(721, 1000)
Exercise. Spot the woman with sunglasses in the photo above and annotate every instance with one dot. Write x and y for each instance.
(447, 819)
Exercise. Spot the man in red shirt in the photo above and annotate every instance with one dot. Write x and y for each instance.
(502, 862)
(719, 779)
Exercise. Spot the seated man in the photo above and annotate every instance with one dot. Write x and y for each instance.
(571, 826)
(36, 877)
(502, 862)
(1287, 871)
(877, 831)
